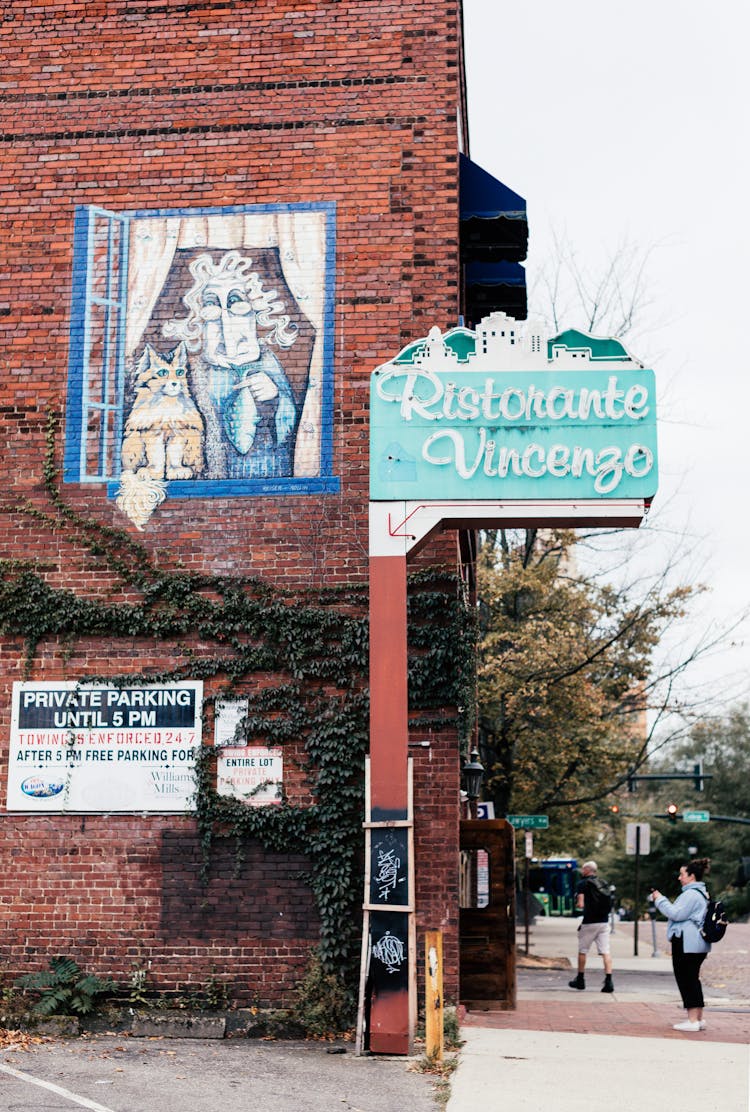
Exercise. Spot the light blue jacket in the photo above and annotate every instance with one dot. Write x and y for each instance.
(686, 917)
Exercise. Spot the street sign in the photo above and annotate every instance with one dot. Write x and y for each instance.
(486, 810)
(528, 822)
(644, 841)
(696, 816)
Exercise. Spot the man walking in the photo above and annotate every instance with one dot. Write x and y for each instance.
(593, 898)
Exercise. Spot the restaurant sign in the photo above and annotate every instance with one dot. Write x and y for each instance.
(508, 413)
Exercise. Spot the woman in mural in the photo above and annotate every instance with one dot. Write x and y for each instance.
(247, 400)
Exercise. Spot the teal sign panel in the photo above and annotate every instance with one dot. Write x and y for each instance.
(530, 434)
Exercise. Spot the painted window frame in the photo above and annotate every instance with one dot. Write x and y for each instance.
(80, 402)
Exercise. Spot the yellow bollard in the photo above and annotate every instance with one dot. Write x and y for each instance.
(433, 981)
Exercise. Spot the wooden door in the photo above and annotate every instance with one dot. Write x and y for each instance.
(487, 915)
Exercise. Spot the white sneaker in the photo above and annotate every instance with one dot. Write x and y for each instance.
(702, 1024)
(687, 1025)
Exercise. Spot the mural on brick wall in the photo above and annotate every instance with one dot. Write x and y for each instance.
(201, 353)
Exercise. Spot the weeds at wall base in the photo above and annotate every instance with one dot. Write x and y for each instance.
(441, 1072)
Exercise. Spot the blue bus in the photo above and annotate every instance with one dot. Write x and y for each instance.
(553, 882)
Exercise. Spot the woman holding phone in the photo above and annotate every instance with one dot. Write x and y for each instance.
(689, 948)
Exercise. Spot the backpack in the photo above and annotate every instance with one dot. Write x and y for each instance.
(600, 897)
(715, 922)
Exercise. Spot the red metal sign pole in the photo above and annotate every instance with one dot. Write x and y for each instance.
(388, 1026)
(388, 687)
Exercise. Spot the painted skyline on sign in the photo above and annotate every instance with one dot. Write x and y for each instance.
(507, 412)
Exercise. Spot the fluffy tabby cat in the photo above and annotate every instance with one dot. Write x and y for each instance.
(163, 436)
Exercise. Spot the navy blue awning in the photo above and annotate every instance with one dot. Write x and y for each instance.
(484, 196)
(495, 274)
(493, 223)
(494, 287)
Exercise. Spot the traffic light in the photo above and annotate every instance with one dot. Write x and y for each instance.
(615, 808)
(672, 812)
(698, 776)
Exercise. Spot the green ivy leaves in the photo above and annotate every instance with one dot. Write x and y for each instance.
(300, 659)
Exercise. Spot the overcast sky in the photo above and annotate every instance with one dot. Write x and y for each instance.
(628, 122)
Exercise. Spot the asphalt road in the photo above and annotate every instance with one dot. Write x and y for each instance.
(114, 1074)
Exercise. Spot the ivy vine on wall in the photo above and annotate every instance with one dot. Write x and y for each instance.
(300, 659)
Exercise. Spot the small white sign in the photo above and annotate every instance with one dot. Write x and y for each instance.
(529, 839)
(228, 713)
(252, 774)
(644, 846)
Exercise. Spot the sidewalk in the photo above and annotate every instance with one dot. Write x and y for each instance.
(538, 1055)
(552, 937)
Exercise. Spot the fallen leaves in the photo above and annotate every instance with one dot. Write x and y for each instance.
(18, 1040)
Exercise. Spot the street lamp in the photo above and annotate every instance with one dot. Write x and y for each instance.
(473, 775)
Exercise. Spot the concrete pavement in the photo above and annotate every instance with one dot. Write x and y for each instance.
(525, 1071)
(559, 1045)
(553, 937)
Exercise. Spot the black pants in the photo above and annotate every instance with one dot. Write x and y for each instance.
(687, 969)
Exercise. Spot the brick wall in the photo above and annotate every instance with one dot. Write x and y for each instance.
(118, 893)
(436, 780)
(140, 105)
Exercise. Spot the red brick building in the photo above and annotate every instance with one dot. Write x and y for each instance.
(217, 220)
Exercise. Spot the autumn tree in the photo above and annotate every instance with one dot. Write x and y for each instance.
(565, 675)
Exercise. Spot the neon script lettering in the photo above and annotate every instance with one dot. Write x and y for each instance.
(423, 393)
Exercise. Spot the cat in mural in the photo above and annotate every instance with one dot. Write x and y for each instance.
(163, 436)
(164, 430)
